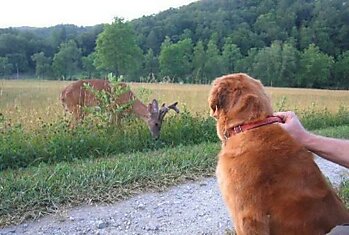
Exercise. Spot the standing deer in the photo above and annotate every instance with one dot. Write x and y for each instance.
(75, 97)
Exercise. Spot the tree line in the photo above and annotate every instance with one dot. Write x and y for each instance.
(301, 43)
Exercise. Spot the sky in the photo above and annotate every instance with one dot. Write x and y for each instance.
(44, 13)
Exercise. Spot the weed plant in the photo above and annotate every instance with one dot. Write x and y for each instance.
(57, 142)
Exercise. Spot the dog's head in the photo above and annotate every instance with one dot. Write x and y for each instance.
(236, 99)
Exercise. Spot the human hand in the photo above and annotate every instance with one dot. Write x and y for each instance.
(292, 125)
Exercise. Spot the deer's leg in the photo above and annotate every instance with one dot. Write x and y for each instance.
(112, 119)
(117, 119)
(78, 116)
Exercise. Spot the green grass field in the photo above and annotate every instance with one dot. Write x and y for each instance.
(45, 166)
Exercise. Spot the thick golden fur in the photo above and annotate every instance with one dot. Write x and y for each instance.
(269, 182)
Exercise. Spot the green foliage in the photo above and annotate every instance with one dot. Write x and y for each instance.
(276, 65)
(88, 65)
(231, 54)
(5, 66)
(315, 67)
(199, 58)
(151, 64)
(312, 119)
(108, 109)
(117, 50)
(175, 59)
(65, 62)
(214, 61)
(268, 64)
(341, 132)
(245, 64)
(56, 142)
(42, 65)
(341, 70)
(344, 191)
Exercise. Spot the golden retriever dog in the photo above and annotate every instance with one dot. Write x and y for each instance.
(269, 182)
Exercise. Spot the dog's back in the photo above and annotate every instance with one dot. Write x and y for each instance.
(272, 185)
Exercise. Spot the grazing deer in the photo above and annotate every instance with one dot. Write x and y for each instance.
(75, 97)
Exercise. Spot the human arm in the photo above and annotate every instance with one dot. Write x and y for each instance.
(335, 150)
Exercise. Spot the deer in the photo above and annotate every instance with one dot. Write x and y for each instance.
(75, 97)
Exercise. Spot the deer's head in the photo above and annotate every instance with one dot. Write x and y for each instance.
(156, 116)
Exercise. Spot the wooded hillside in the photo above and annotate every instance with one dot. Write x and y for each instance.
(297, 43)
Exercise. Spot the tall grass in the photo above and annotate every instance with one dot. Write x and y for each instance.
(56, 142)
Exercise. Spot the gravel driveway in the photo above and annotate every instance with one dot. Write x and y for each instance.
(191, 208)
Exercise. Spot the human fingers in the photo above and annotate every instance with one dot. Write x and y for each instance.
(286, 116)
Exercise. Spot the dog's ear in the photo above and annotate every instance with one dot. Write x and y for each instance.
(248, 104)
(219, 99)
(251, 107)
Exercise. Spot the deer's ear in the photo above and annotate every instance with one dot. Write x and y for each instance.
(153, 107)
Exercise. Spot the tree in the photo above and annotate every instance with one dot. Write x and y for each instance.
(15, 47)
(214, 62)
(305, 37)
(268, 28)
(58, 36)
(5, 66)
(42, 65)
(231, 54)
(289, 65)
(246, 39)
(151, 64)
(66, 61)
(276, 65)
(88, 65)
(175, 59)
(152, 40)
(341, 70)
(117, 50)
(267, 64)
(315, 66)
(199, 58)
(87, 40)
(18, 61)
(246, 63)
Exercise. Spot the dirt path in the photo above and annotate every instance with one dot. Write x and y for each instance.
(192, 208)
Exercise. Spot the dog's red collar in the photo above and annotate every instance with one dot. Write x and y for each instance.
(248, 126)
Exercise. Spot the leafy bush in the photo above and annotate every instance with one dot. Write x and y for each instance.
(108, 108)
(312, 119)
(344, 192)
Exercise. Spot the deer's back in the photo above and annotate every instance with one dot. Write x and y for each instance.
(75, 94)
